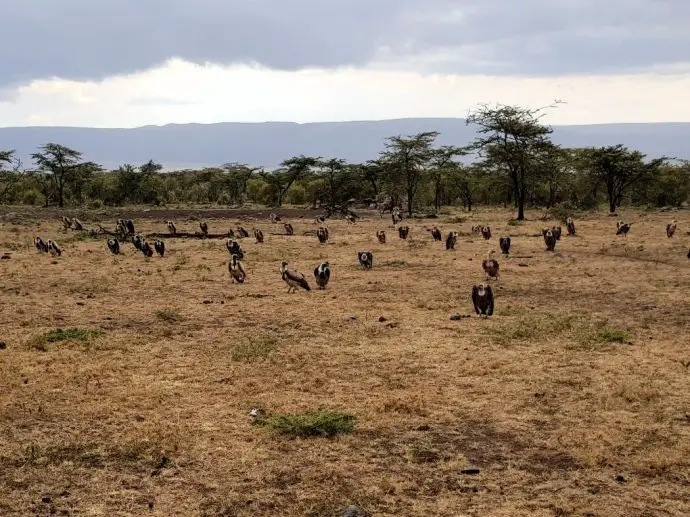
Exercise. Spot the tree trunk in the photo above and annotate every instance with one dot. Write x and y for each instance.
(409, 203)
(612, 206)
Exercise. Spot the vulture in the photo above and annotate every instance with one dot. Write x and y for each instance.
(137, 241)
(275, 218)
(381, 236)
(76, 224)
(171, 227)
(556, 232)
(236, 270)
(504, 243)
(40, 245)
(258, 235)
(671, 228)
(54, 248)
(234, 248)
(243, 231)
(486, 232)
(66, 222)
(159, 246)
(320, 219)
(114, 246)
(436, 234)
(322, 273)
(121, 228)
(483, 300)
(231, 233)
(204, 227)
(350, 218)
(366, 259)
(623, 228)
(293, 279)
(396, 215)
(130, 226)
(570, 226)
(476, 229)
(403, 231)
(451, 240)
(490, 266)
(146, 248)
(549, 239)
(289, 229)
(322, 235)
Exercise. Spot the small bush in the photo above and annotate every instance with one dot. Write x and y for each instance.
(255, 349)
(170, 315)
(394, 263)
(314, 423)
(59, 335)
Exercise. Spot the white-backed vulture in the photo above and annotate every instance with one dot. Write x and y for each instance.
(451, 240)
(490, 266)
(671, 228)
(549, 239)
(366, 259)
(322, 235)
(436, 234)
(159, 246)
(293, 279)
(172, 228)
(486, 232)
(114, 246)
(570, 226)
(258, 235)
(381, 236)
(483, 300)
(204, 227)
(54, 248)
(504, 243)
(234, 248)
(236, 269)
(40, 245)
(322, 273)
(403, 231)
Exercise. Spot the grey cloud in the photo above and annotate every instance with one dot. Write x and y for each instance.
(88, 39)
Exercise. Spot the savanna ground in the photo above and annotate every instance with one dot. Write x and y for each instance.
(573, 399)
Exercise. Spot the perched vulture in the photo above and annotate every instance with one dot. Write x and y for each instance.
(204, 227)
(322, 273)
(275, 218)
(234, 248)
(486, 232)
(159, 246)
(351, 218)
(258, 235)
(504, 243)
(236, 270)
(556, 232)
(396, 215)
(130, 226)
(483, 300)
(671, 228)
(381, 236)
(403, 231)
(171, 227)
(114, 246)
(76, 224)
(146, 248)
(476, 229)
(243, 231)
(66, 222)
(549, 239)
(570, 226)
(231, 233)
(289, 229)
(623, 228)
(366, 259)
(451, 240)
(436, 234)
(490, 266)
(322, 235)
(40, 245)
(137, 241)
(293, 279)
(54, 248)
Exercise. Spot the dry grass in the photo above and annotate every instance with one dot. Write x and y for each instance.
(572, 400)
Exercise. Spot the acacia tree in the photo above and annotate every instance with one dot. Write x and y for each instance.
(619, 168)
(443, 164)
(510, 140)
(407, 159)
(292, 170)
(8, 177)
(64, 165)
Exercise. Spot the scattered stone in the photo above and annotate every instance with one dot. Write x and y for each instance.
(457, 317)
(392, 325)
(352, 318)
(81, 303)
(522, 264)
(382, 319)
(222, 302)
(3, 345)
(206, 302)
(6, 256)
(621, 479)
(423, 427)
(353, 511)
(470, 471)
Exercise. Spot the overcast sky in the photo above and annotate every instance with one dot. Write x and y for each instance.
(122, 63)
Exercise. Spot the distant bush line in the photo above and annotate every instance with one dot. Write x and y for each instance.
(512, 162)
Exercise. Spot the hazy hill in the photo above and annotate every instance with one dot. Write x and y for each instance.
(267, 144)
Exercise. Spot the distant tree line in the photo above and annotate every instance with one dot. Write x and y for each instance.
(511, 162)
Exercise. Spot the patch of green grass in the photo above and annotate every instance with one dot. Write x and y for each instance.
(395, 263)
(255, 348)
(169, 315)
(457, 219)
(314, 423)
(58, 335)
(515, 222)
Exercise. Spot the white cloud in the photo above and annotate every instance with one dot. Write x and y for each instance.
(182, 92)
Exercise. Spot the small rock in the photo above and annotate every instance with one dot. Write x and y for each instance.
(352, 318)
(423, 427)
(620, 479)
(523, 265)
(382, 319)
(222, 302)
(206, 302)
(392, 325)
(5, 256)
(457, 317)
(353, 511)
(470, 471)
(81, 303)
(3, 345)
(46, 499)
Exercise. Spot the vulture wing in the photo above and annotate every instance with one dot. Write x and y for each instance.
(475, 299)
(490, 299)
